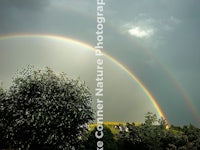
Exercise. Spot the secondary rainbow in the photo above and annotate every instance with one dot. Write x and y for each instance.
(175, 82)
(123, 67)
(185, 97)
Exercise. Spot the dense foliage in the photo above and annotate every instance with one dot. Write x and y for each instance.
(43, 109)
(153, 135)
(108, 138)
(150, 135)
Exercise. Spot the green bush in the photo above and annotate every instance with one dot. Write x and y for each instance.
(109, 142)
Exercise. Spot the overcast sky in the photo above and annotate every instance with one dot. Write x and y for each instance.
(158, 40)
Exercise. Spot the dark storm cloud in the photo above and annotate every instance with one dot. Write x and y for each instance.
(16, 15)
(182, 47)
(175, 26)
(53, 17)
(154, 8)
(24, 4)
(176, 37)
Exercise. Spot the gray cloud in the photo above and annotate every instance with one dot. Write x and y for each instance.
(24, 4)
(174, 42)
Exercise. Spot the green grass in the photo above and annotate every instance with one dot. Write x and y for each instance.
(111, 126)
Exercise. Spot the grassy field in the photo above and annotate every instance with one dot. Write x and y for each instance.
(111, 126)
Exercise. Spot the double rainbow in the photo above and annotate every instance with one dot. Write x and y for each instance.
(123, 67)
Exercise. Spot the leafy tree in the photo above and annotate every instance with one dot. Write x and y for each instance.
(108, 140)
(151, 132)
(145, 136)
(3, 142)
(193, 135)
(46, 110)
(130, 139)
(150, 119)
(192, 132)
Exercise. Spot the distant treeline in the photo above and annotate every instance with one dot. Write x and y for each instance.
(43, 110)
(153, 134)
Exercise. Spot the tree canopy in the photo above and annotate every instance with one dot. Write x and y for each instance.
(44, 109)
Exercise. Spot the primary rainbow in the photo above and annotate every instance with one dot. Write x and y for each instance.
(185, 96)
(123, 67)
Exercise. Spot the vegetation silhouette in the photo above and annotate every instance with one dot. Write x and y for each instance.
(49, 111)
(44, 109)
(153, 134)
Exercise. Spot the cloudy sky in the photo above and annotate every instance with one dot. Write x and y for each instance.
(158, 40)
